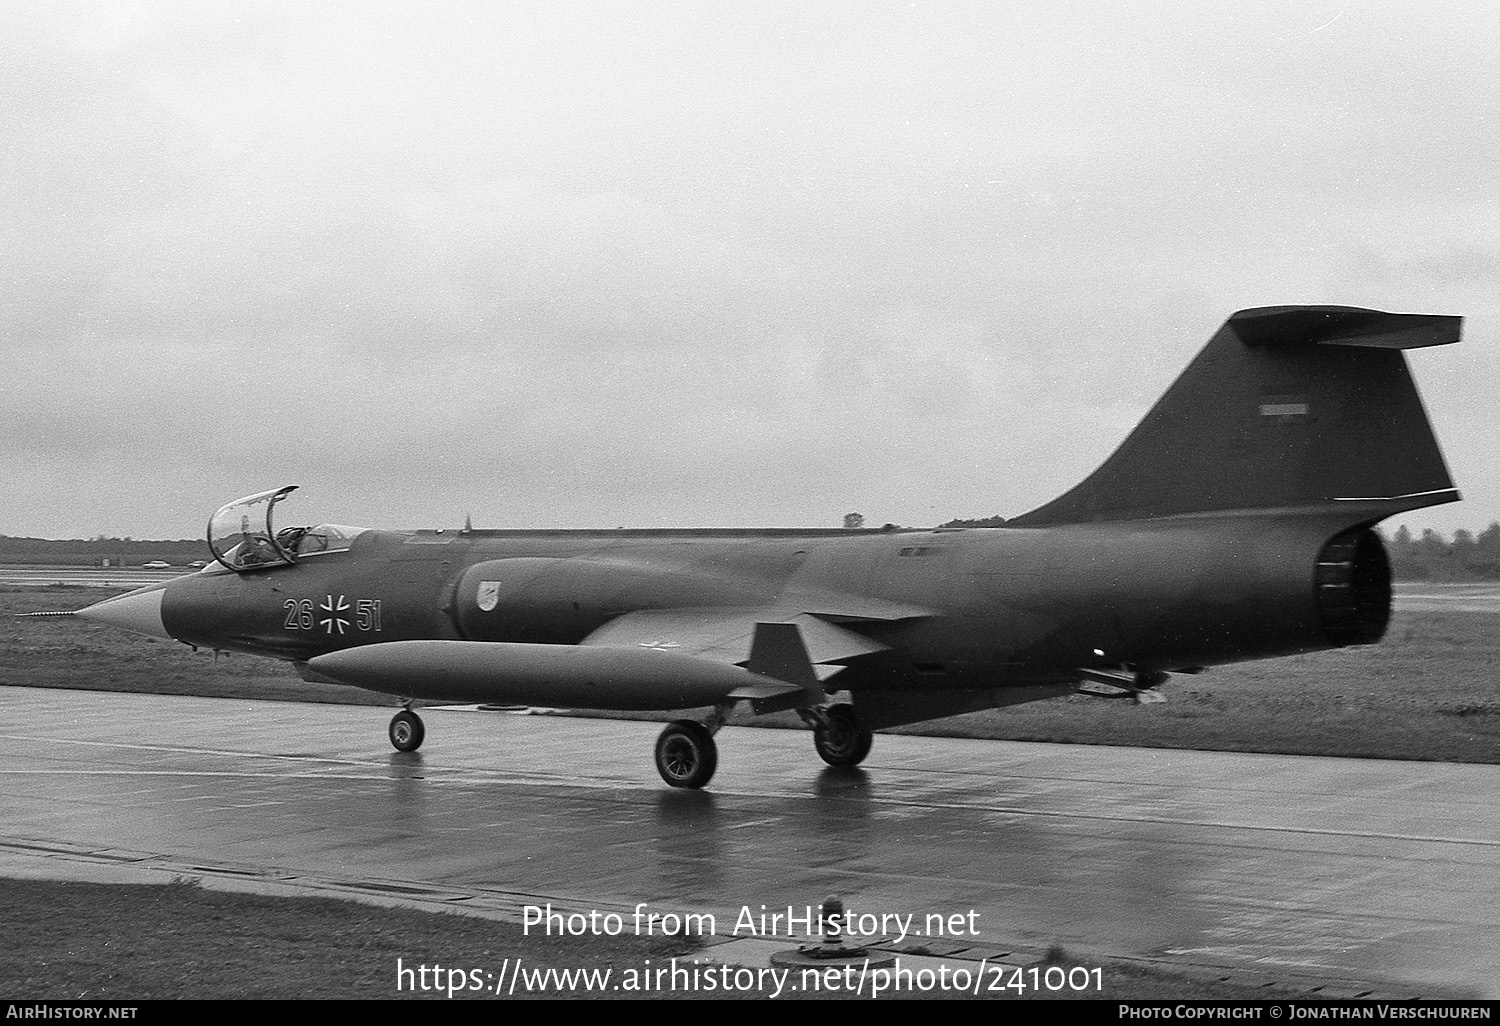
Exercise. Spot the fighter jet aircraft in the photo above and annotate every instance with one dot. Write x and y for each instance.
(1234, 523)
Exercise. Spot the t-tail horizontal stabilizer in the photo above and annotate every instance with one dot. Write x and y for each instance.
(1286, 408)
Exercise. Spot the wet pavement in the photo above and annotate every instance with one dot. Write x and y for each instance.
(1368, 874)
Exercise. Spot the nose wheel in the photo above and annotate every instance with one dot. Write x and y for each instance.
(686, 755)
(407, 731)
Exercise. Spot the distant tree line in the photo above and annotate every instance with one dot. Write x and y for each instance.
(1426, 558)
(1430, 558)
(93, 551)
(976, 522)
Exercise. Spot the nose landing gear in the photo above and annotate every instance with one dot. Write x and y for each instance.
(686, 755)
(407, 731)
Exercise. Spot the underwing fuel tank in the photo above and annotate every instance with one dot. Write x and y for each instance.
(603, 677)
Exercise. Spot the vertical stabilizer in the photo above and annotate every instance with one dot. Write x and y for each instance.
(1286, 407)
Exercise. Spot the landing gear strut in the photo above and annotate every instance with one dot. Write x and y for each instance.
(686, 755)
(839, 738)
(407, 731)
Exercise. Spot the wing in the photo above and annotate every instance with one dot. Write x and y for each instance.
(786, 643)
(774, 657)
(726, 636)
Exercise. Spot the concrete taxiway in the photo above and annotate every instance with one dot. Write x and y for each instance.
(85, 577)
(1368, 875)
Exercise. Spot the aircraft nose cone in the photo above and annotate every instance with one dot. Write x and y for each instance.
(138, 611)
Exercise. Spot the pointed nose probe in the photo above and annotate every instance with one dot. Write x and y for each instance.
(138, 611)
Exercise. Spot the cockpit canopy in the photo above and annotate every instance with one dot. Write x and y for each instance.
(243, 537)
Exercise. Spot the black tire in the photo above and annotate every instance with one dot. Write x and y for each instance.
(407, 731)
(686, 755)
(843, 742)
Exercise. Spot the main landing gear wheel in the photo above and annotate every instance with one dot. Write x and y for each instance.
(686, 755)
(842, 742)
(407, 731)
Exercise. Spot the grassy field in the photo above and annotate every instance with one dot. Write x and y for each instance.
(1429, 691)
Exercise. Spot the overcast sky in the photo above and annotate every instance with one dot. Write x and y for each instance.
(701, 264)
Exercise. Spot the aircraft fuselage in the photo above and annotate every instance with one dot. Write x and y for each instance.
(989, 607)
